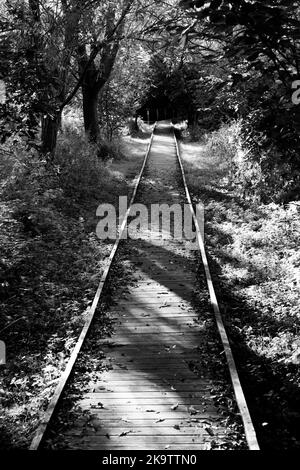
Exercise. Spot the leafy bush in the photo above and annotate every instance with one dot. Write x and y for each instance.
(83, 168)
(81, 171)
(253, 163)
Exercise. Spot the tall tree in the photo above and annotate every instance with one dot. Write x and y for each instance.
(96, 60)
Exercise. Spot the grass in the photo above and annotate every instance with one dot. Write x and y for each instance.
(50, 264)
(255, 260)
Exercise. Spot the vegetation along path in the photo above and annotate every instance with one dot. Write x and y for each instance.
(162, 382)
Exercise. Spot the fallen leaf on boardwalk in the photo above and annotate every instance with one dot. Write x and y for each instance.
(160, 420)
(209, 431)
(107, 435)
(125, 419)
(174, 407)
(150, 411)
(177, 427)
(193, 411)
(125, 433)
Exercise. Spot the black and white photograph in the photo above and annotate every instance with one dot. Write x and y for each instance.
(149, 229)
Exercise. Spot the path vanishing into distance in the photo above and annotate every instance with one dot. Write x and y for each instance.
(162, 369)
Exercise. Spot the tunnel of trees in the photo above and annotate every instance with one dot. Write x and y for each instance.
(206, 62)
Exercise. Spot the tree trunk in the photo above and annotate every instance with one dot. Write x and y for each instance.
(90, 112)
(135, 124)
(49, 133)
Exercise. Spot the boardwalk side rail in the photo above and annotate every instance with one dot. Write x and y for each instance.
(237, 387)
(41, 430)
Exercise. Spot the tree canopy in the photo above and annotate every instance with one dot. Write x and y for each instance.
(205, 61)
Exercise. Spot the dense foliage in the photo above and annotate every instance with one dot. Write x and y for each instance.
(239, 60)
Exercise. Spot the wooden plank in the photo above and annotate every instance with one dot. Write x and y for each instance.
(148, 360)
(167, 281)
(162, 353)
(126, 446)
(169, 432)
(157, 367)
(148, 290)
(159, 442)
(125, 422)
(181, 359)
(162, 282)
(128, 386)
(180, 342)
(162, 335)
(142, 395)
(158, 420)
(152, 303)
(135, 409)
(149, 319)
(140, 310)
(143, 379)
(148, 322)
(118, 413)
(162, 316)
(168, 403)
(179, 297)
(126, 329)
(170, 376)
(184, 341)
(155, 318)
(186, 432)
(119, 357)
(159, 312)
(163, 322)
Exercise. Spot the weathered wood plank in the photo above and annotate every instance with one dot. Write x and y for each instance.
(142, 396)
(146, 431)
(149, 387)
(157, 442)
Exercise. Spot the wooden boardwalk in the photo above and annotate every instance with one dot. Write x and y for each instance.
(151, 396)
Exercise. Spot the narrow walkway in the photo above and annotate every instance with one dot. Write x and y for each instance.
(157, 393)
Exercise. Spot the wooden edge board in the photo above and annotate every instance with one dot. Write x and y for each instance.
(237, 387)
(40, 432)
